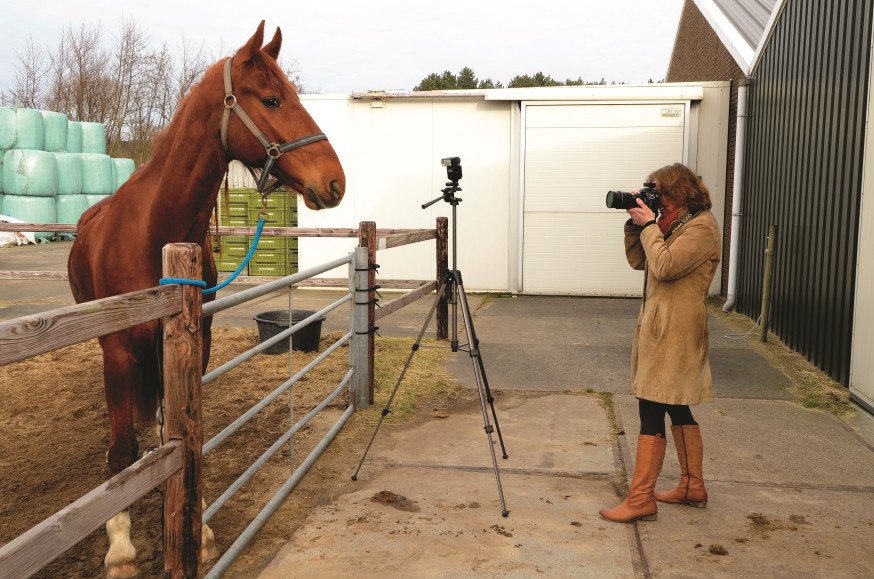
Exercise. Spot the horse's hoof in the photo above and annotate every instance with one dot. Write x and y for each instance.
(208, 550)
(121, 570)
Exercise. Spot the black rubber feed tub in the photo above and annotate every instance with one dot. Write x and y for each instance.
(273, 322)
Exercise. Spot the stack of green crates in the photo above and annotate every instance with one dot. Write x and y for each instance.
(274, 256)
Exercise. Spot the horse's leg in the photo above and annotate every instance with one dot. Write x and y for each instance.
(119, 370)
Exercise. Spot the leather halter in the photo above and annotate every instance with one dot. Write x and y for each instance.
(274, 150)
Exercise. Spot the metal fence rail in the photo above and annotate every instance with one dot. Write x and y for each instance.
(356, 262)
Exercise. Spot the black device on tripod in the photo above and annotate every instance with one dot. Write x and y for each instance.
(452, 287)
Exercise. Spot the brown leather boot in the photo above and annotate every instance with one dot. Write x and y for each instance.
(640, 504)
(690, 451)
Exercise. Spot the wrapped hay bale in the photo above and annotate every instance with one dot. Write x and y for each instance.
(92, 199)
(96, 173)
(69, 173)
(29, 130)
(121, 171)
(30, 210)
(55, 130)
(74, 137)
(68, 208)
(93, 138)
(7, 128)
(32, 173)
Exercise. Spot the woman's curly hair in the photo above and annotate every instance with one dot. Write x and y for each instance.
(678, 182)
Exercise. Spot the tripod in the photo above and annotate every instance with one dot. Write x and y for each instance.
(452, 287)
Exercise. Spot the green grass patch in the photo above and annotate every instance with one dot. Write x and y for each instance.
(424, 382)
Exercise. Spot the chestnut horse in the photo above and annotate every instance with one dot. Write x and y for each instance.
(169, 200)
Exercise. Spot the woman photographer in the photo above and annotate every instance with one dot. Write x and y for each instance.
(670, 368)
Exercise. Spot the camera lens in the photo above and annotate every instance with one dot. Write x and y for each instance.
(620, 200)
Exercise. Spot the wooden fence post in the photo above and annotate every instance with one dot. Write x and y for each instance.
(182, 414)
(442, 267)
(367, 238)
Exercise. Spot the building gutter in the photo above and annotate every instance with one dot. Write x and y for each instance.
(736, 195)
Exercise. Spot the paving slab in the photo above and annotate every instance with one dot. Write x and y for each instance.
(428, 506)
(543, 433)
(768, 442)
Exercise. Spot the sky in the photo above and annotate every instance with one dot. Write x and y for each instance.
(345, 46)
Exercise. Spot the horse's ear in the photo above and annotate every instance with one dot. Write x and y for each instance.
(273, 47)
(251, 48)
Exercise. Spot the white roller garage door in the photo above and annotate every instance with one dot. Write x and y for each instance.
(574, 154)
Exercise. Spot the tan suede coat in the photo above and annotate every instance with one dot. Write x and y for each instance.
(669, 356)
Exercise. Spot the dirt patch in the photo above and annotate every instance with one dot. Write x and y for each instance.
(761, 526)
(397, 501)
(55, 434)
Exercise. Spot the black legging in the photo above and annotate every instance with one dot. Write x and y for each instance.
(652, 416)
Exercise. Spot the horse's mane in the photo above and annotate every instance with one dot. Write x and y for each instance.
(159, 137)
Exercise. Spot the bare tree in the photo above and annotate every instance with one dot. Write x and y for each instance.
(80, 82)
(191, 68)
(128, 65)
(292, 70)
(29, 76)
(130, 86)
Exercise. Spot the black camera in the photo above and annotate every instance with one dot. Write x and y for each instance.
(623, 200)
(453, 168)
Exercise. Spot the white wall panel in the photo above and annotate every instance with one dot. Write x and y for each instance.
(391, 153)
(574, 154)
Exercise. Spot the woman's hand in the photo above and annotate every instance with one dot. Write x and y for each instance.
(641, 215)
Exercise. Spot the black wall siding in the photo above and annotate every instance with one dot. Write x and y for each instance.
(804, 150)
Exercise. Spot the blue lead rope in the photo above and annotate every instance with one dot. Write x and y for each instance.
(197, 282)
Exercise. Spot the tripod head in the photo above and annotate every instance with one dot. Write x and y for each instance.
(453, 172)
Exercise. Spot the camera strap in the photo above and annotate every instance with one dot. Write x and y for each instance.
(686, 219)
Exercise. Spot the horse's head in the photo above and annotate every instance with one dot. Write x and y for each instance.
(264, 92)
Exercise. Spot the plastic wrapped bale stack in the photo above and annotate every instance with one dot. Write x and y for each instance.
(69, 202)
(121, 171)
(55, 130)
(30, 210)
(69, 208)
(93, 138)
(74, 137)
(96, 174)
(22, 129)
(69, 174)
(30, 173)
(7, 128)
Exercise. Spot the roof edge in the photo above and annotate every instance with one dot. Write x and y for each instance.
(766, 37)
(728, 34)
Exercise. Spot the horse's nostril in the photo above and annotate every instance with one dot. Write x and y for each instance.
(336, 193)
(315, 198)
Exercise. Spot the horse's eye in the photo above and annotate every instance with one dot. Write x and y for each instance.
(272, 103)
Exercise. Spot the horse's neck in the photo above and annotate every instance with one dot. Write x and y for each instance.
(183, 176)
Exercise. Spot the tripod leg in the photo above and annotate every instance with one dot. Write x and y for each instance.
(480, 379)
(413, 350)
(474, 348)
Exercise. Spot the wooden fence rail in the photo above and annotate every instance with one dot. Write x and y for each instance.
(177, 462)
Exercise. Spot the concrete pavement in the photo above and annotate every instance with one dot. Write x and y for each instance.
(790, 488)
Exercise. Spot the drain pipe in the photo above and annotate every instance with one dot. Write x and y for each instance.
(739, 142)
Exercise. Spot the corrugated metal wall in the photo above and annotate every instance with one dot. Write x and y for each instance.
(803, 173)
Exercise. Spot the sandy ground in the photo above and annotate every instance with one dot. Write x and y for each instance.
(55, 436)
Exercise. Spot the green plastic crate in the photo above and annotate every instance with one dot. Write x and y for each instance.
(227, 262)
(276, 200)
(235, 250)
(281, 256)
(275, 217)
(235, 222)
(235, 196)
(277, 269)
(272, 243)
